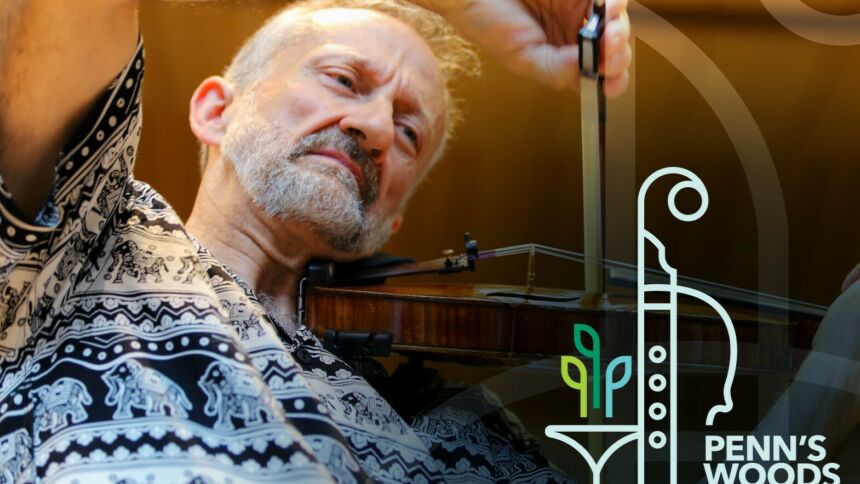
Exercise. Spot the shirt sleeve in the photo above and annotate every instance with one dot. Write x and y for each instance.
(92, 167)
(92, 172)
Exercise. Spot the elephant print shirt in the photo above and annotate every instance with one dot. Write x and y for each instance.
(130, 355)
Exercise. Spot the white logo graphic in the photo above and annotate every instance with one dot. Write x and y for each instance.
(656, 353)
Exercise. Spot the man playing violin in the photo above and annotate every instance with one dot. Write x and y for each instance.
(136, 348)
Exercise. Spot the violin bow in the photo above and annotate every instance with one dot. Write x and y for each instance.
(593, 112)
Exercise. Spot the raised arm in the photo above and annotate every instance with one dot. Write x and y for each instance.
(56, 56)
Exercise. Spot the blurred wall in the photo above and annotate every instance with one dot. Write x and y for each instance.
(513, 173)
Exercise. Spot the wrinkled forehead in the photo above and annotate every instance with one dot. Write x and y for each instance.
(393, 49)
(389, 38)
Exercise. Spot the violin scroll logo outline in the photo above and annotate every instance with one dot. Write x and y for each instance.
(648, 441)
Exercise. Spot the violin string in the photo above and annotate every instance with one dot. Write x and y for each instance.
(734, 292)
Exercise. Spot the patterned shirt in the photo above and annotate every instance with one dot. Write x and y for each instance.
(129, 354)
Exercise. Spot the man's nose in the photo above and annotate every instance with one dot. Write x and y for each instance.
(371, 124)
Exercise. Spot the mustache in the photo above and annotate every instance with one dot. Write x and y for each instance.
(335, 138)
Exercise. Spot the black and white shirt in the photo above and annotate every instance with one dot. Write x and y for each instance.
(130, 355)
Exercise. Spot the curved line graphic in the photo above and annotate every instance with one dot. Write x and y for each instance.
(811, 24)
(733, 343)
(614, 447)
(596, 467)
(575, 445)
(661, 253)
(742, 130)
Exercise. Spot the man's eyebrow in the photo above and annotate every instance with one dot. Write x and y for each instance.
(346, 57)
(409, 103)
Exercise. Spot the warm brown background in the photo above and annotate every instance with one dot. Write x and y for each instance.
(513, 174)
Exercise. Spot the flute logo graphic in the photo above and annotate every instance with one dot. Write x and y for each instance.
(580, 381)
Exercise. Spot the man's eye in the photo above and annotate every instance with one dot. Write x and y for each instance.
(344, 81)
(411, 134)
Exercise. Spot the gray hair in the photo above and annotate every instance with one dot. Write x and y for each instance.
(457, 58)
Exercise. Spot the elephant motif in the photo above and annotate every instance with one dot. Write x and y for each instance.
(111, 191)
(66, 265)
(192, 266)
(9, 301)
(71, 259)
(15, 456)
(39, 314)
(56, 402)
(372, 408)
(244, 321)
(235, 392)
(135, 262)
(131, 384)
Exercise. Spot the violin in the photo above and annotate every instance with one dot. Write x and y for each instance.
(508, 325)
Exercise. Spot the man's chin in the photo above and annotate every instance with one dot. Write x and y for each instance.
(335, 176)
(364, 243)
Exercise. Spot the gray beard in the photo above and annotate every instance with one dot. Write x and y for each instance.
(288, 187)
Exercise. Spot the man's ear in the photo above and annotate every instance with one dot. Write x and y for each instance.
(208, 103)
(396, 224)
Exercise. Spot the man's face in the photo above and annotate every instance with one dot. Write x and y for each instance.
(341, 128)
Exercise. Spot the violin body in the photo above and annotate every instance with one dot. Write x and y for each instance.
(504, 325)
